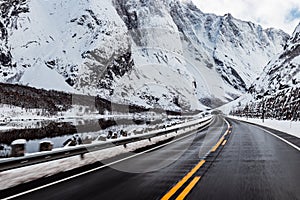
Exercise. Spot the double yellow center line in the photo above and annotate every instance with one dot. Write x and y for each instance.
(192, 184)
(187, 190)
(221, 141)
(183, 181)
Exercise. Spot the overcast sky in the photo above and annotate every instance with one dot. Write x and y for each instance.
(282, 14)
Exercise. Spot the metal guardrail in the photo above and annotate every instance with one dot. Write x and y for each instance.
(12, 163)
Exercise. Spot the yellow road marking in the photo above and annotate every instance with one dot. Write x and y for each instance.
(182, 181)
(190, 174)
(218, 144)
(187, 190)
(224, 142)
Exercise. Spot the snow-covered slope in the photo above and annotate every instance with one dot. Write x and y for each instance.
(156, 53)
(78, 41)
(282, 71)
(276, 93)
(220, 54)
(234, 45)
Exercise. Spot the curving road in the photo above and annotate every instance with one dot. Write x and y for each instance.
(253, 165)
(249, 164)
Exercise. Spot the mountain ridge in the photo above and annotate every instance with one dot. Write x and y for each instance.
(134, 52)
(283, 70)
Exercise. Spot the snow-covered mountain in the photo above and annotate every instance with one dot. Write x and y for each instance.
(64, 43)
(156, 53)
(283, 70)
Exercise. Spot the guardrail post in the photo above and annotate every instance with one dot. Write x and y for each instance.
(82, 156)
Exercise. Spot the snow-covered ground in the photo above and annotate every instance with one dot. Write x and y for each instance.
(16, 113)
(21, 118)
(290, 127)
(18, 176)
(81, 117)
(242, 100)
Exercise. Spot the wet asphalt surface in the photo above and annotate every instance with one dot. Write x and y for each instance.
(251, 165)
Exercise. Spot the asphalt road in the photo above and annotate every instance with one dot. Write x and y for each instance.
(251, 164)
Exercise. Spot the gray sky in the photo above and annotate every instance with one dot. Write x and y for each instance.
(282, 14)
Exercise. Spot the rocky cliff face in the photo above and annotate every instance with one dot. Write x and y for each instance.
(83, 46)
(154, 53)
(220, 54)
(9, 11)
(283, 70)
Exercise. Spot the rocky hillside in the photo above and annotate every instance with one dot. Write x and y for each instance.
(164, 53)
(283, 71)
(282, 105)
(220, 54)
(276, 93)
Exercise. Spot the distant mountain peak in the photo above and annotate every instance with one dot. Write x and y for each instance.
(296, 35)
(228, 15)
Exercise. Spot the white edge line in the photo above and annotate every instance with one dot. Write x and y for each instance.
(98, 168)
(282, 139)
(228, 124)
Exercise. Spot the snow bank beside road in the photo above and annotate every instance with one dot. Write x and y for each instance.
(289, 127)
